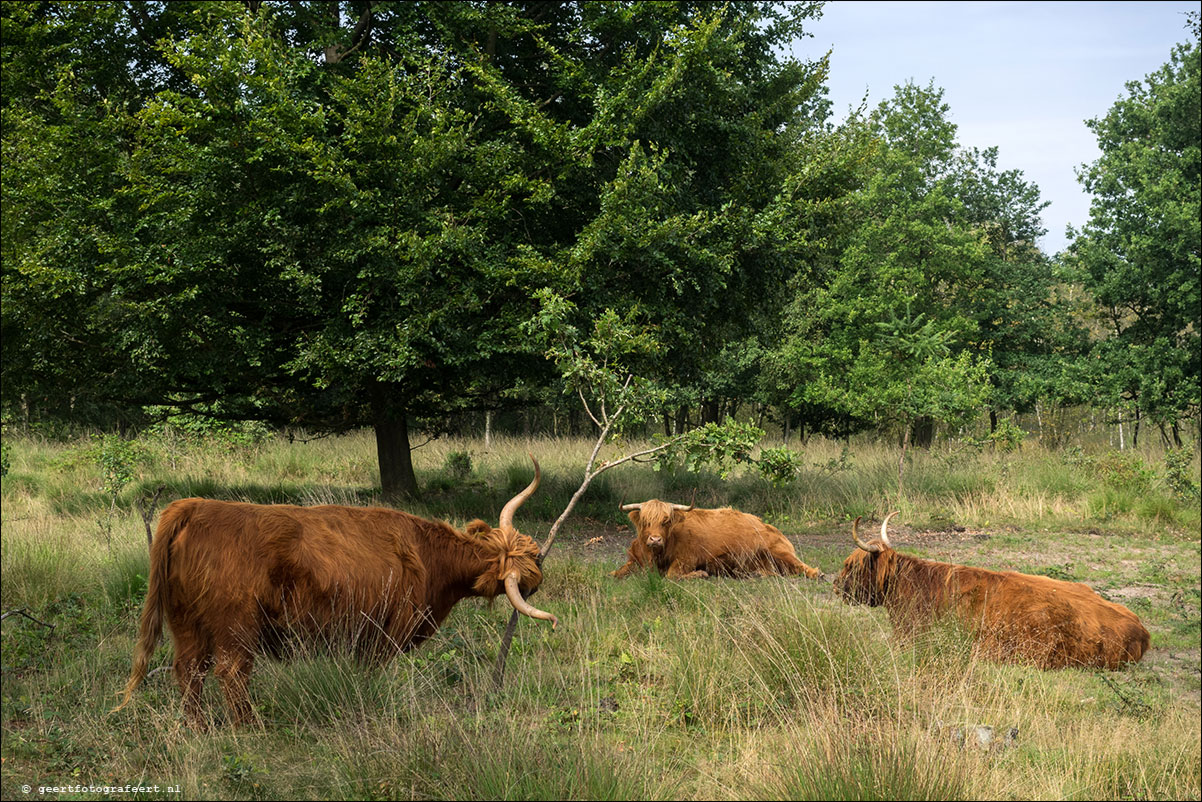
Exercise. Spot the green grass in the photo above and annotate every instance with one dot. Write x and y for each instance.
(730, 689)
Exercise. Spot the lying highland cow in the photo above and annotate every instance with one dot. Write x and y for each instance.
(1012, 616)
(235, 580)
(686, 543)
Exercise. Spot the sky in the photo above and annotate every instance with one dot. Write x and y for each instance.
(1023, 76)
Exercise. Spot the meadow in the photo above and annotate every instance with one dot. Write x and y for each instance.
(752, 689)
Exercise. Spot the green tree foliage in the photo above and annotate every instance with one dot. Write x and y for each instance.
(338, 214)
(1140, 253)
(1025, 323)
(882, 333)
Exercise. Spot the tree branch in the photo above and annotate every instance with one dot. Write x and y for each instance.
(21, 612)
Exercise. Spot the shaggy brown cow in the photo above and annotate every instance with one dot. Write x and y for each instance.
(686, 543)
(1048, 622)
(235, 580)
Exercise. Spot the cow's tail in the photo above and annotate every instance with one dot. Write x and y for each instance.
(174, 518)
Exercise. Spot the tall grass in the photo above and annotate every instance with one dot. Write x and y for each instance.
(764, 688)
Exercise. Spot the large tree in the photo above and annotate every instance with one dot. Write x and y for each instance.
(337, 214)
(1140, 253)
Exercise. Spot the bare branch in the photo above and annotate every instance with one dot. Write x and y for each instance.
(428, 441)
(147, 511)
(580, 392)
(21, 612)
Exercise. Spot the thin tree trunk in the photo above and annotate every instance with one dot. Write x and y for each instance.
(682, 418)
(901, 463)
(487, 428)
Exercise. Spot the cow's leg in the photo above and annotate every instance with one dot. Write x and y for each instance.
(786, 560)
(233, 667)
(193, 658)
(680, 570)
(626, 570)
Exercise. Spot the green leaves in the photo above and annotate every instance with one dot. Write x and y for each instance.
(600, 368)
(720, 446)
(1140, 255)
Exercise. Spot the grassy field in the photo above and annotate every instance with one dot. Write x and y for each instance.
(752, 689)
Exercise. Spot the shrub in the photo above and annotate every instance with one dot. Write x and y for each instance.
(1123, 470)
(779, 465)
(1007, 436)
(458, 465)
(1177, 462)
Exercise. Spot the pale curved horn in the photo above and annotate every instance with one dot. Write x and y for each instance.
(629, 507)
(885, 527)
(692, 503)
(521, 605)
(511, 507)
(855, 533)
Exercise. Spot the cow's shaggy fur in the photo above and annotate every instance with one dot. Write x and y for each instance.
(234, 580)
(692, 543)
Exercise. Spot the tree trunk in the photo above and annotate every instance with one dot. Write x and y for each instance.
(488, 428)
(392, 445)
(923, 432)
(993, 421)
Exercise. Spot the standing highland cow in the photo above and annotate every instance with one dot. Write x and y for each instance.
(235, 580)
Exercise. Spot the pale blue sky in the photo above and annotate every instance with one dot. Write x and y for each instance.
(1020, 75)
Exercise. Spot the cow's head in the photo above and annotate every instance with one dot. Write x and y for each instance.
(867, 570)
(654, 519)
(513, 565)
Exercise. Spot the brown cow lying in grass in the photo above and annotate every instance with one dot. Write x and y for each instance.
(235, 580)
(686, 543)
(1013, 616)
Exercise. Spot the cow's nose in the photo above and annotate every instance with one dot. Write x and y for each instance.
(654, 541)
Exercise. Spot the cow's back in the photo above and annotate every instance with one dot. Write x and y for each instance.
(241, 566)
(1051, 622)
(728, 541)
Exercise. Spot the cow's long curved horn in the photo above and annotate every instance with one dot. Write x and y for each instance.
(511, 507)
(521, 605)
(629, 507)
(692, 503)
(885, 528)
(855, 533)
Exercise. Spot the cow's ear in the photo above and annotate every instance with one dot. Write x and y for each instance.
(633, 515)
(478, 527)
